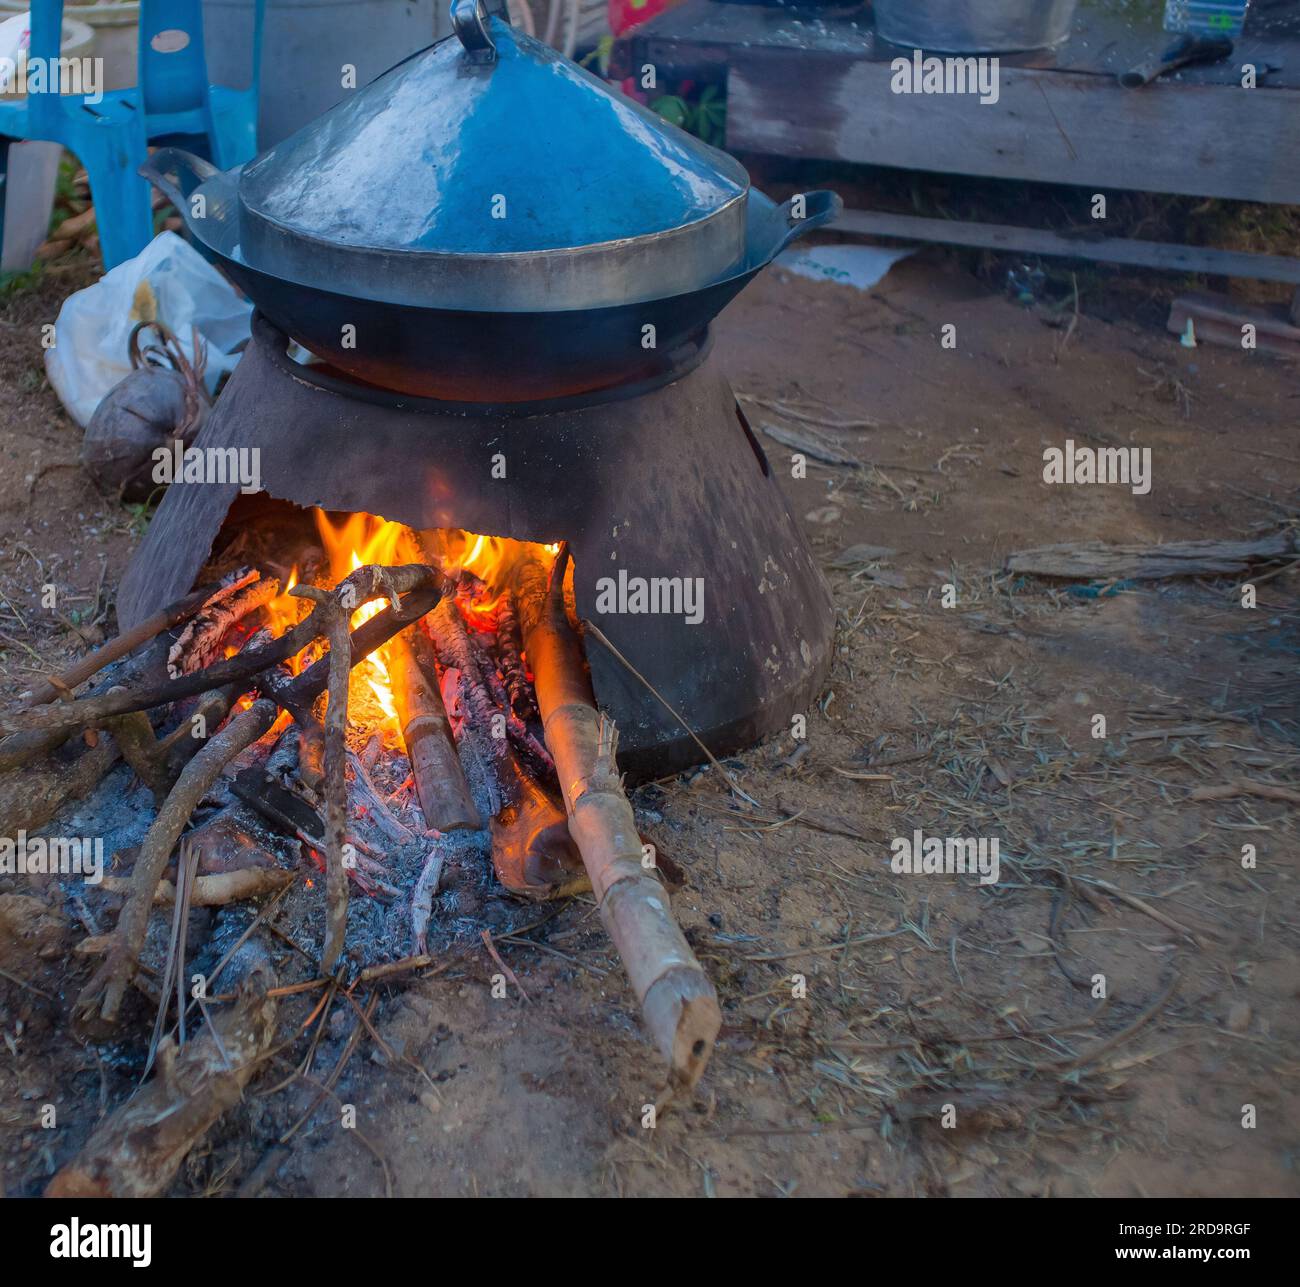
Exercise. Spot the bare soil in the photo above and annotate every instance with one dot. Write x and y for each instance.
(950, 1041)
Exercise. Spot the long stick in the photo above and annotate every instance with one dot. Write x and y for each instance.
(423, 583)
(678, 1002)
(137, 1150)
(147, 629)
(107, 987)
(336, 781)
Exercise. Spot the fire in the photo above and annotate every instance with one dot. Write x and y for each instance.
(362, 539)
(283, 613)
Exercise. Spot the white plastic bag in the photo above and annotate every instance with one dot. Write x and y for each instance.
(168, 281)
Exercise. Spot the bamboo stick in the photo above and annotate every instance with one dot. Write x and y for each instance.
(677, 1000)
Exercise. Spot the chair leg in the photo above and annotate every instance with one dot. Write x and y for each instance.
(4, 187)
(124, 214)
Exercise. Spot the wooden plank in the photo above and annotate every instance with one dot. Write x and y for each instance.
(1219, 320)
(1054, 127)
(1105, 39)
(1039, 241)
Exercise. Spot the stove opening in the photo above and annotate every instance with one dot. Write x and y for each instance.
(451, 795)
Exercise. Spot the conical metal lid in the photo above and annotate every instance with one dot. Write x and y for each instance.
(490, 144)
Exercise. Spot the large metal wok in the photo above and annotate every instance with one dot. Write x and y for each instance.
(471, 355)
(488, 222)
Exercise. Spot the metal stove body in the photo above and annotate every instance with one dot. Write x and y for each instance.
(657, 482)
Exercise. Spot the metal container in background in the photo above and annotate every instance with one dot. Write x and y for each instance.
(974, 26)
(305, 46)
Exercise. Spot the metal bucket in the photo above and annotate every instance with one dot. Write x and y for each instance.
(974, 26)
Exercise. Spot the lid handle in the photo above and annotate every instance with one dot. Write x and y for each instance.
(470, 18)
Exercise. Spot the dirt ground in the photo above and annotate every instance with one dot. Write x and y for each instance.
(950, 1041)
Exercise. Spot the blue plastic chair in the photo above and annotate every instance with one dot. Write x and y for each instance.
(173, 101)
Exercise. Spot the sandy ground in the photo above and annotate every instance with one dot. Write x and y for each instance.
(946, 1038)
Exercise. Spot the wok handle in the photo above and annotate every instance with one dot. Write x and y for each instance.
(470, 19)
(818, 208)
(165, 162)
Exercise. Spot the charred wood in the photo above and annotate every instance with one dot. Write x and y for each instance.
(138, 1149)
(440, 783)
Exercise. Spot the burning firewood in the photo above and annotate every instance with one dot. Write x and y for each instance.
(456, 653)
(677, 1000)
(440, 783)
(375, 806)
(102, 997)
(532, 851)
(421, 583)
(510, 648)
(148, 629)
(200, 643)
(137, 1150)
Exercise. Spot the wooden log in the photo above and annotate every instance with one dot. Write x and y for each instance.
(1095, 560)
(510, 646)
(148, 629)
(1221, 320)
(440, 783)
(214, 890)
(533, 853)
(199, 644)
(30, 797)
(138, 1149)
(677, 1000)
(1010, 239)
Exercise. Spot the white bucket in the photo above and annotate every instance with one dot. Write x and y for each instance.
(116, 31)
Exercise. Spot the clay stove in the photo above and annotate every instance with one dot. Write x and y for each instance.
(649, 483)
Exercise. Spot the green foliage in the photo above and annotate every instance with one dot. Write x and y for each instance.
(14, 283)
(702, 113)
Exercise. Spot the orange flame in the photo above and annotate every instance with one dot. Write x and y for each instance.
(362, 539)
